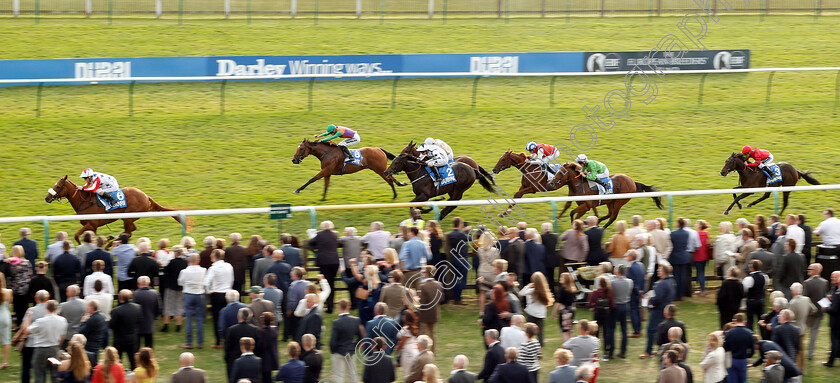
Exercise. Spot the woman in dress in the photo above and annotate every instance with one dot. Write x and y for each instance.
(407, 347)
(487, 253)
(701, 254)
(564, 307)
(538, 298)
(110, 370)
(5, 321)
(576, 244)
(76, 368)
(147, 368)
(21, 275)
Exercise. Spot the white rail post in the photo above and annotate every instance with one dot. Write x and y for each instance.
(158, 8)
(88, 7)
(15, 8)
(358, 9)
(293, 11)
(227, 9)
(431, 8)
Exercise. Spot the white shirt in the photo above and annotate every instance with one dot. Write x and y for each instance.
(56, 249)
(796, 232)
(48, 330)
(829, 230)
(749, 282)
(219, 277)
(693, 240)
(300, 310)
(90, 280)
(163, 257)
(533, 308)
(512, 336)
(377, 241)
(192, 279)
(106, 303)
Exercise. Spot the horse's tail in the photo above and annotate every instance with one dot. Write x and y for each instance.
(388, 154)
(807, 177)
(642, 188)
(487, 174)
(486, 181)
(154, 206)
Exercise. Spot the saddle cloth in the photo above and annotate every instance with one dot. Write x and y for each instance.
(446, 174)
(773, 173)
(607, 180)
(356, 157)
(118, 195)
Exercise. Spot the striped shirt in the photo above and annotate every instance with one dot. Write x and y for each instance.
(529, 355)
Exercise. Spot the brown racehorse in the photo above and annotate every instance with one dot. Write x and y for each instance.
(534, 178)
(332, 163)
(411, 150)
(578, 185)
(86, 203)
(751, 178)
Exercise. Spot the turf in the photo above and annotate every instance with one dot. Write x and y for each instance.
(179, 149)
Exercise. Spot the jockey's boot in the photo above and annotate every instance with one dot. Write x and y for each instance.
(437, 175)
(347, 156)
(603, 185)
(111, 200)
(547, 169)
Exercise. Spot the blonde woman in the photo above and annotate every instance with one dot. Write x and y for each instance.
(372, 287)
(189, 245)
(110, 370)
(487, 253)
(564, 308)
(431, 374)
(163, 255)
(713, 364)
(76, 368)
(538, 299)
(725, 242)
(147, 367)
(576, 245)
(619, 244)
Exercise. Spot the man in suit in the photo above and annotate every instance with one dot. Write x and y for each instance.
(99, 253)
(66, 270)
(345, 332)
(662, 331)
(806, 250)
(767, 258)
(149, 301)
(459, 373)
(394, 294)
(247, 366)
(125, 322)
(457, 243)
(292, 253)
(228, 316)
(188, 373)
(311, 321)
(563, 372)
(748, 246)
(786, 334)
(815, 288)
(240, 330)
(258, 304)
(382, 369)
(494, 356)
(671, 372)
(552, 259)
(423, 358)
(428, 313)
(325, 245)
(534, 255)
(674, 334)
(94, 328)
(636, 273)
(72, 310)
(30, 248)
(383, 326)
(261, 265)
(773, 370)
(755, 286)
(282, 269)
(594, 235)
(514, 253)
(834, 319)
(664, 291)
(143, 264)
(680, 257)
(237, 256)
(510, 372)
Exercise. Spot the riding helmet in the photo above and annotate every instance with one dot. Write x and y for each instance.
(530, 146)
(581, 158)
(746, 149)
(86, 173)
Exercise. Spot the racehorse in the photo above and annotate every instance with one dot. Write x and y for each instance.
(424, 187)
(751, 178)
(570, 175)
(411, 150)
(332, 163)
(534, 178)
(87, 203)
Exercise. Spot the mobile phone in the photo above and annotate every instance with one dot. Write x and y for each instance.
(54, 361)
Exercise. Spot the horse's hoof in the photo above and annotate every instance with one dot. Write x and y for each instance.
(297, 191)
(749, 206)
(726, 212)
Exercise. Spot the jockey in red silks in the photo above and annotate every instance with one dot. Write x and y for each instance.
(762, 159)
(99, 183)
(542, 155)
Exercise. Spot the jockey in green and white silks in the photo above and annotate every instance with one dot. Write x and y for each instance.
(350, 137)
(595, 172)
(434, 156)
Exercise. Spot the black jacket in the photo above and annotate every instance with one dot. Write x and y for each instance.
(344, 334)
(149, 302)
(314, 361)
(462, 376)
(664, 326)
(143, 264)
(247, 367)
(787, 337)
(125, 322)
(66, 269)
(99, 254)
(510, 372)
(495, 356)
(232, 336)
(739, 340)
(325, 245)
(171, 272)
(382, 371)
(549, 241)
(515, 255)
(310, 324)
(787, 362)
(94, 329)
(595, 236)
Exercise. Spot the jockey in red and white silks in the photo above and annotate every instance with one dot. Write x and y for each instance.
(99, 183)
(542, 154)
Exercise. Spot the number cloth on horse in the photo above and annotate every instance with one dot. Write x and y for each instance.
(447, 176)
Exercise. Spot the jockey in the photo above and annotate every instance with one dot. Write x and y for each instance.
(99, 183)
(542, 154)
(761, 158)
(434, 156)
(350, 137)
(442, 145)
(594, 171)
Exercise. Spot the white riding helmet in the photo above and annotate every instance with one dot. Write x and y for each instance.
(530, 146)
(86, 173)
(429, 141)
(581, 158)
(422, 147)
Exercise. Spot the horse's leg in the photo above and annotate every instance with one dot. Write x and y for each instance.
(399, 183)
(454, 196)
(738, 198)
(128, 225)
(519, 193)
(326, 186)
(764, 197)
(614, 208)
(566, 207)
(323, 173)
(785, 196)
(390, 181)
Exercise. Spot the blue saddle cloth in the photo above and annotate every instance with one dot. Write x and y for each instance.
(774, 174)
(357, 157)
(120, 197)
(608, 181)
(446, 173)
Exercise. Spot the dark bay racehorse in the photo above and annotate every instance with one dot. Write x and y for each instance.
(753, 178)
(424, 188)
(332, 163)
(411, 150)
(578, 185)
(86, 203)
(533, 180)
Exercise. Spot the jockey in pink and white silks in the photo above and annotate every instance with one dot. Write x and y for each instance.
(99, 183)
(434, 156)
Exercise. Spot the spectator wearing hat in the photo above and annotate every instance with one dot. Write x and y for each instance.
(258, 304)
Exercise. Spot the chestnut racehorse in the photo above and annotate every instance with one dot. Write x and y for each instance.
(332, 163)
(578, 185)
(534, 178)
(86, 203)
(752, 178)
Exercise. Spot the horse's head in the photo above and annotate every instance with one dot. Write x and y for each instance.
(64, 188)
(735, 162)
(410, 149)
(565, 174)
(507, 160)
(303, 150)
(398, 164)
